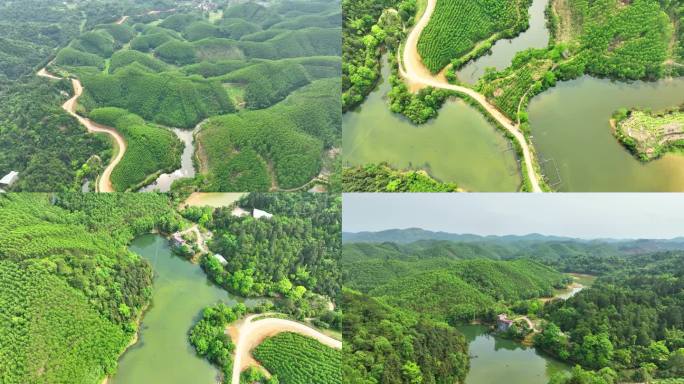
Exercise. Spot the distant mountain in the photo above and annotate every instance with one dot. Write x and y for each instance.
(410, 235)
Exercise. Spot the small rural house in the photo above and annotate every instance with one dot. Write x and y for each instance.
(239, 212)
(220, 259)
(503, 323)
(9, 179)
(258, 214)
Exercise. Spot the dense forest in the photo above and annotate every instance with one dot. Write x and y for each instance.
(630, 321)
(72, 293)
(384, 344)
(293, 256)
(208, 336)
(287, 89)
(363, 39)
(281, 147)
(48, 148)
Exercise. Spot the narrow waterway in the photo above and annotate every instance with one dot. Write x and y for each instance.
(503, 51)
(180, 291)
(458, 146)
(497, 360)
(571, 132)
(187, 169)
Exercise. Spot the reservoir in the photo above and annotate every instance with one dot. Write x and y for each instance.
(458, 146)
(498, 360)
(503, 51)
(571, 130)
(179, 293)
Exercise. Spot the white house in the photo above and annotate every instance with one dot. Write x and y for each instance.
(9, 178)
(220, 259)
(239, 212)
(258, 214)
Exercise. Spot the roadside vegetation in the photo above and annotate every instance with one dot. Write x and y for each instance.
(208, 336)
(150, 150)
(66, 276)
(296, 359)
(368, 28)
(383, 178)
(650, 135)
(50, 149)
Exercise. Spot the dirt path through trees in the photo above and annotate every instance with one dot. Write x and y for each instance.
(417, 76)
(104, 183)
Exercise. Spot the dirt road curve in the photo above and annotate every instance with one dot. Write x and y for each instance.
(122, 20)
(418, 76)
(247, 334)
(104, 184)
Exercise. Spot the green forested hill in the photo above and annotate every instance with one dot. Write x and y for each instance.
(591, 257)
(38, 139)
(452, 290)
(294, 253)
(70, 291)
(389, 345)
(149, 149)
(281, 145)
(396, 286)
(631, 321)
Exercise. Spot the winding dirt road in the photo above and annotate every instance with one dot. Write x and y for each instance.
(104, 183)
(418, 76)
(247, 334)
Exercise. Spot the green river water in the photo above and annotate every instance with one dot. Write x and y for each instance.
(494, 360)
(180, 291)
(571, 129)
(503, 51)
(458, 146)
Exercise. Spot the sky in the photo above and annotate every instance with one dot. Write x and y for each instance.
(588, 216)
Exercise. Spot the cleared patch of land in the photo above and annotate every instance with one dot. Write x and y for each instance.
(649, 135)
